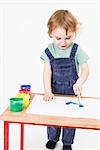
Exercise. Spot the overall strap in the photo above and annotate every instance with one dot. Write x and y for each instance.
(73, 50)
(50, 56)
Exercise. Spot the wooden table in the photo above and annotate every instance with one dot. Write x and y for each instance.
(24, 118)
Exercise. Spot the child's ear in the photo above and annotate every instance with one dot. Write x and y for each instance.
(50, 35)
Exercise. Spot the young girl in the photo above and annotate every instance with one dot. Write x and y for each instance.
(62, 59)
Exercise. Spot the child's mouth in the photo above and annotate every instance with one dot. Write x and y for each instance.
(63, 46)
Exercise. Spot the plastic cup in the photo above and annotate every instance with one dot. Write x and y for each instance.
(16, 104)
(25, 97)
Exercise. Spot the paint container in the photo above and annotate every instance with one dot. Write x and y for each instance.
(25, 89)
(25, 97)
(28, 87)
(16, 104)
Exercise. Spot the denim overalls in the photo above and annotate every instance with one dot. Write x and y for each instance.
(64, 75)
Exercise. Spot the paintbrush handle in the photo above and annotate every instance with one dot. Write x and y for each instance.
(79, 94)
(79, 97)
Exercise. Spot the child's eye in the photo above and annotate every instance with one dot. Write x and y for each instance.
(58, 38)
(67, 38)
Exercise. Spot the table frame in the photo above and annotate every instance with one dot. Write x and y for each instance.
(23, 118)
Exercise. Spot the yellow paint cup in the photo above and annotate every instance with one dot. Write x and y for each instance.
(25, 97)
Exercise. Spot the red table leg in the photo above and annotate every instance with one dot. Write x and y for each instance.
(22, 137)
(6, 135)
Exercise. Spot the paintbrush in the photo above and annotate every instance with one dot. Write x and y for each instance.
(79, 99)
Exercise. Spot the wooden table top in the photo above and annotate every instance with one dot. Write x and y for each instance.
(26, 118)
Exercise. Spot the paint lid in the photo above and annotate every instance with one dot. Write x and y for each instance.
(28, 87)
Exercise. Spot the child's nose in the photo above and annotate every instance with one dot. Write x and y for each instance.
(63, 42)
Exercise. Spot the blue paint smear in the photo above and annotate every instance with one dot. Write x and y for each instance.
(68, 103)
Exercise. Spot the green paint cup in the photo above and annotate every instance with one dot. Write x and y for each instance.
(16, 104)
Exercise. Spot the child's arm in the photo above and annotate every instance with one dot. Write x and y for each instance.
(83, 77)
(47, 82)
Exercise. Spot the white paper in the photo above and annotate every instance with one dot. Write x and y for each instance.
(58, 107)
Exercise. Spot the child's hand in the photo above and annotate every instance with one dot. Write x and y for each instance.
(48, 96)
(77, 87)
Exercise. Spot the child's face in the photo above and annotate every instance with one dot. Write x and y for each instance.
(60, 39)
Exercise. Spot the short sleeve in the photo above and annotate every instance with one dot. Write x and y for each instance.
(44, 57)
(82, 56)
